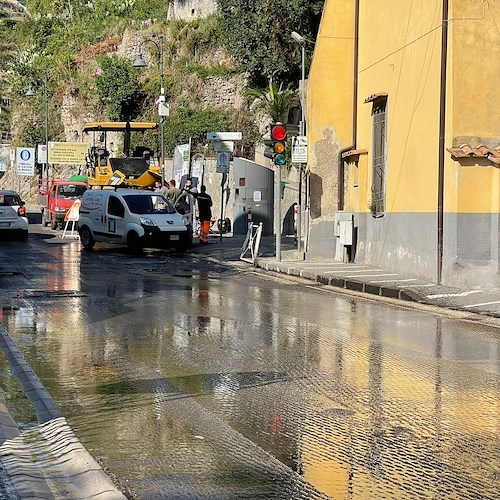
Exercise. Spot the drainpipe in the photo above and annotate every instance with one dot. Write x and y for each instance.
(340, 203)
(442, 138)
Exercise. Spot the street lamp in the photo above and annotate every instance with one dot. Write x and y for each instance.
(302, 41)
(163, 109)
(30, 93)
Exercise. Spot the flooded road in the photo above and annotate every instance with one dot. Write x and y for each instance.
(190, 379)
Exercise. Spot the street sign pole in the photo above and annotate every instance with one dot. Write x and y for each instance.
(224, 146)
(299, 208)
(222, 184)
(299, 155)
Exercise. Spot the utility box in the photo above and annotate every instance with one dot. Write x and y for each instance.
(254, 193)
(343, 230)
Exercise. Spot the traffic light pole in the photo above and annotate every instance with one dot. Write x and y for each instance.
(277, 210)
(277, 154)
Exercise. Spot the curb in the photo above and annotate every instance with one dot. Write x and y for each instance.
(46, 458)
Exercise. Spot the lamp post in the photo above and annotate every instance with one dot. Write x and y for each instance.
(302, 41)
(30, 93)
(163, 109)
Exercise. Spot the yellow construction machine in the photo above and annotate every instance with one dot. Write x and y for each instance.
(136, 168)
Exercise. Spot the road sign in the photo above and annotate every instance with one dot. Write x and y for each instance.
(223, 162)
(74, 212)
(224, 146)
(71, 153)
(224, 136)
(163, 107)
(41, 153)
(4, 156)
(299, 149)
(25, 161)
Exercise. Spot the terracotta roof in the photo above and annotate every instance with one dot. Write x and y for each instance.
(480, 151)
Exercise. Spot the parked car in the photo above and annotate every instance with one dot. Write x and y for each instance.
(13, 220)
(133, 217)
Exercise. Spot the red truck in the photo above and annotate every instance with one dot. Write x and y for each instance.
(56, 198)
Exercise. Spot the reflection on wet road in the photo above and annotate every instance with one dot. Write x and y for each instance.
(190, 379)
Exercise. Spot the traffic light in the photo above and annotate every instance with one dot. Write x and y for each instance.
(277, 144)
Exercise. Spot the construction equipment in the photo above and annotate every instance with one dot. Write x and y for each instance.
(138, 168)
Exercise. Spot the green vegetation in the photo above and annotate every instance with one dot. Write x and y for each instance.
(75, 45)
(275, 101)
(187, 122)
(258, 35)
(117, 87)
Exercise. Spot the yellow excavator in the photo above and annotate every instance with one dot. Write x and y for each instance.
(137, 168)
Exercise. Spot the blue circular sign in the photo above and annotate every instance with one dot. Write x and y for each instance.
(25, 155)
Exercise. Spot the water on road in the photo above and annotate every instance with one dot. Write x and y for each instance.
(190, 379)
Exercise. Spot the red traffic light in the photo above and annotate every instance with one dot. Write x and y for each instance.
(278, 133)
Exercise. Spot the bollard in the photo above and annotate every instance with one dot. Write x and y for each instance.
(295, 219)
(249, 218)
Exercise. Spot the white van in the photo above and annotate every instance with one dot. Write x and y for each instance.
(133, 217)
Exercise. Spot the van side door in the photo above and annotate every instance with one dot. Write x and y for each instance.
(184, 205)
(115, 218)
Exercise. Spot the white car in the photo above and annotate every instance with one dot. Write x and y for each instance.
(13, 220)
(133, 217)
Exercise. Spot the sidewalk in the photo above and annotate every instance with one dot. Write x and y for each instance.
(367, 279)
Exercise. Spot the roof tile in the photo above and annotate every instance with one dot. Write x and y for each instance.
(479, 151)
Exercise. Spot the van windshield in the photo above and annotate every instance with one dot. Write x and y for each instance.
(149, 204)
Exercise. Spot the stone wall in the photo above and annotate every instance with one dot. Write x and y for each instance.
(187, 10)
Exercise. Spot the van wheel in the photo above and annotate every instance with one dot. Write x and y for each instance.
(86, 238)
(134, 242)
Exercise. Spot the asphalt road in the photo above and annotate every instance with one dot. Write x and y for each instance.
(189, 378)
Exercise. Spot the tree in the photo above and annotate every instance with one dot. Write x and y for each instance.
(258, 34)
(186, 122)
(275, 101)
(117, 87)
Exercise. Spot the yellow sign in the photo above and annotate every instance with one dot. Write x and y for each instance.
(72, 153)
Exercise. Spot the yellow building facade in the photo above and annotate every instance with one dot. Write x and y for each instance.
(403, 123)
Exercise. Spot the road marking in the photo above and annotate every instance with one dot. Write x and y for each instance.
(371, 275)
(422, 285)
(461, 294)
(482, 304)
(360, 271)
(392, 281)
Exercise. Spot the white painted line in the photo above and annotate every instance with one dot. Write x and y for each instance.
(371, 275)
(423, 285)
(359, 271)
(392, 281)
(329, 264)
(461, 294)
(483, 304)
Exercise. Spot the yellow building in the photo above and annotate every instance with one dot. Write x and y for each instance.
(403, 124)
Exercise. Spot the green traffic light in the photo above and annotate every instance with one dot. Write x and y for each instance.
(279, 159)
